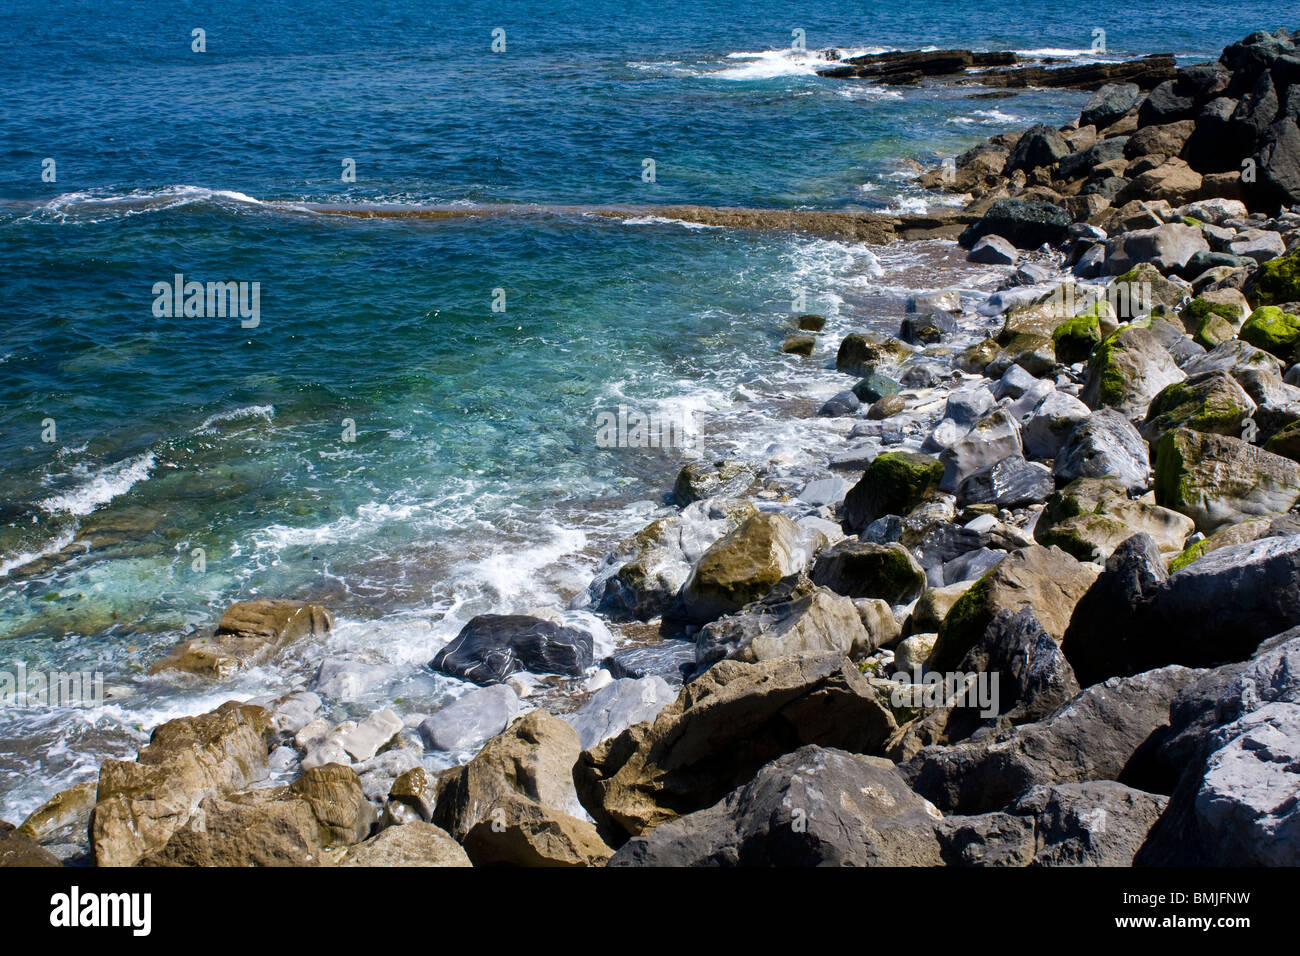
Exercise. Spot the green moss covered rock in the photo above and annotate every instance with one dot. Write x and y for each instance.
(1127, 370)
(1217, 480)
(1074, 339)
(1207, 402)
(862, 569)
(1047, 580)
(1274, 331)
(1090, 517)
(1278, 280)
(893, 484)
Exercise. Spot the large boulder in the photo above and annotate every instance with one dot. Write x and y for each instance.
(1215, 610)
(143, 802)
(312, 822)
(1094, 736)
(1106, 445)
(720, 479)
(742, 566)
(1208, 402)
(721, 729)
(657, 561)
(1273, 330)
(862, 569)
(491, 647)
(1168, 247)
(1172, 181)
(1128, 369)
(515, 802)
(1039, 145)
(1090, 517)
(795, 617)
(1218, 480)
(1050, 424)
(1012, 482)
(1108, 103)
(816, 806)
(1232, 747)
(893, 484)
(1277, 280)
(1047, 580)
(250, 633)
(1026, 223)
(1095, 823)
(993, 438)
(861, 354)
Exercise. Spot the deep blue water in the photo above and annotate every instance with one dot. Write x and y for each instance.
(474, 482)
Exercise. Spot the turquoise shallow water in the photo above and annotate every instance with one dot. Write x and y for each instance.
(475, 481)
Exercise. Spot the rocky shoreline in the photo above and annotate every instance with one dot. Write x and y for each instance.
(1041, 606)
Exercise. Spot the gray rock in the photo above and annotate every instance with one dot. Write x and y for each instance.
(1233, 743)
(840, 404)
(1108, 103)
(1232, 357)
(1094, 736)
(468, 722)
(883, 530)
(1096, 823)
(929, 328)
(1010, 483)
(824, 491)
(1015, 381)
(1258, 244)
(814, 807)
(1217, 609)
(862, 569)
(1105, 444)
(795, 617)
(1051, 423)
(972, 565)
(994, 251)
(617, 706)
(1168, 248)
(670, 660)
(993, 437)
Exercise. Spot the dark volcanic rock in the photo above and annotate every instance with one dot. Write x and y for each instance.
(1039, 145)
(1026, 223)
(1109, 103)
(491, 647)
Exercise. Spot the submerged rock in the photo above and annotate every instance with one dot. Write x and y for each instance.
(468, 722)
(250, 633)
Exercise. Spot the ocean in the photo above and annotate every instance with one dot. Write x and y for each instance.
(405, 427)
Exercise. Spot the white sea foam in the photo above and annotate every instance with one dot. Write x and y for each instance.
(100, 487)
(266, 412)
(27, 557)
(97, 206)
(665, 221)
